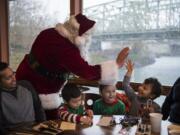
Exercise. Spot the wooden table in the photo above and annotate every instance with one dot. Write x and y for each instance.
(113, 130)
(97, 130)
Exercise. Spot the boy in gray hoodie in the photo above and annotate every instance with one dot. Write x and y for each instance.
(147, 91)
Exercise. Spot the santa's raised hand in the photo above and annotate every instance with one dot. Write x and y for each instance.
(122, 56)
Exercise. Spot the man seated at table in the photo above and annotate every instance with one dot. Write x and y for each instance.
(19, 102)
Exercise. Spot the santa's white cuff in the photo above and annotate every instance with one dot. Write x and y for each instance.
(109, 73)
(50, 101)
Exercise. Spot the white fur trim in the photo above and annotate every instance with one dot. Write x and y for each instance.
(109, 73)
(62, 30)
(80, 40)
(77, 40)
(50, 101)
(74, 22)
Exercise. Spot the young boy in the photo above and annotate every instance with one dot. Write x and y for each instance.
(149, 90)
(73, 110)
(108, 104)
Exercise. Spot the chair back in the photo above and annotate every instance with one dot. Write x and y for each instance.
(90, 99)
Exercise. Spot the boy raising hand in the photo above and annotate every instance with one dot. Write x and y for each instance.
(148, 90)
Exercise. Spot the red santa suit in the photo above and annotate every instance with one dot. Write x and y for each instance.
(56, 50)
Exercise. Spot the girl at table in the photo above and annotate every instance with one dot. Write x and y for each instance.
(108, 104)
(72, 110)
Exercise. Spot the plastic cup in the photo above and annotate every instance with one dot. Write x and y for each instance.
(155, 120)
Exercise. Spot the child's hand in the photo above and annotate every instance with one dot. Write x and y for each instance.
(86, 120)
(90, 113)
(129, 67)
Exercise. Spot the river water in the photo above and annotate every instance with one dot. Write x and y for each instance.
(166, 69)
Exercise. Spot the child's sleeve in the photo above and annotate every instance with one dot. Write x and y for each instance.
(122, 108)
(127, 88)
(67, 116)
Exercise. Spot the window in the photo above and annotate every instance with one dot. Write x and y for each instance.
(150, 27)
(27, 18)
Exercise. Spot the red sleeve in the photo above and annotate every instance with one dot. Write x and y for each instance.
(58, 53)
(73, 62)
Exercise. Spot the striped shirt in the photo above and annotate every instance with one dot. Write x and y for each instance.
(69, 114)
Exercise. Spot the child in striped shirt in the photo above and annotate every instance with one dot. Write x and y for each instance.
(72, 110)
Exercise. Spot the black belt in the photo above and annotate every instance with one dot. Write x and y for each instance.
(34, 64)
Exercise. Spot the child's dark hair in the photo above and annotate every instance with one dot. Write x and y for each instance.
(3, 66)
(70, 91)
(101, 87)
(156, 86)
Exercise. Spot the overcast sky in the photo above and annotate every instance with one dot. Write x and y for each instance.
(60, 8)
(89, 3)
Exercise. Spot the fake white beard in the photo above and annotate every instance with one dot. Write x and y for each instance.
(84, 49)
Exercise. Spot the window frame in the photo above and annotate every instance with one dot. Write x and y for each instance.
(4, 47)
(76, 7)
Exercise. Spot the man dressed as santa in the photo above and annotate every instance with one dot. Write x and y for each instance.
(59, 51)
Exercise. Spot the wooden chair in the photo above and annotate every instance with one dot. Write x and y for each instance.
(90, 98)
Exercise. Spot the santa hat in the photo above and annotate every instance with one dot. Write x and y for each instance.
(84, 22)
(79, 22)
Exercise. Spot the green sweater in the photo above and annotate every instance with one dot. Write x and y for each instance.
(101, 108)
(79, 110)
